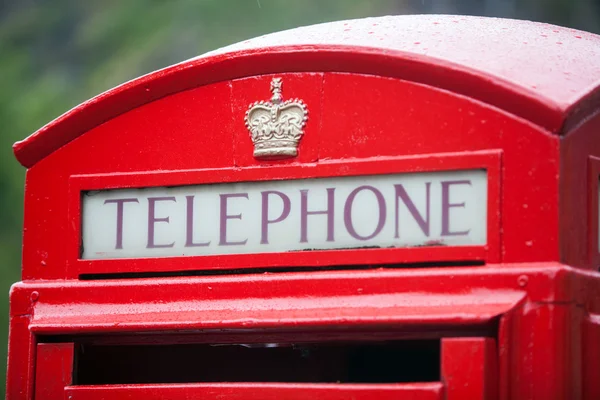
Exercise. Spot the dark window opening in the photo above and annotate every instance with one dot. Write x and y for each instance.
(378, 362)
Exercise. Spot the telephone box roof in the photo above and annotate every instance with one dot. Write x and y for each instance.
(543, 73)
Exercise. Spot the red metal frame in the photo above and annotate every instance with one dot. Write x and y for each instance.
(224, 391)
(446, 296)
(475, 376)
(591, 356)
(593, 226)
(535, 305)
(54, 370)
(524, 234)
(489, 160)
(21, 362)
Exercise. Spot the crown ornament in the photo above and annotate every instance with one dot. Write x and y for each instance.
(276, 126)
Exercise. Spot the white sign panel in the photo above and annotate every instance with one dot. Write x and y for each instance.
(403, 210)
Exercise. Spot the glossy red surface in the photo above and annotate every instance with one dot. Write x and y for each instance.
(360, 298)
(516, 318)
(579, 179)
(538, 308)
(591, 356)
(537, 71)
(54, 370)
(415, 391)
(476, 376)
(181, 152)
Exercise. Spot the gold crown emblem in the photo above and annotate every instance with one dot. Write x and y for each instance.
(276, 126)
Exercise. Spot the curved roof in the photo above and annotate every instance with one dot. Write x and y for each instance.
(546, 74)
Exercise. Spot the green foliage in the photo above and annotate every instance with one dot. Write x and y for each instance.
(54, 54)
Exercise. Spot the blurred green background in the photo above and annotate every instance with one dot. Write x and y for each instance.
(55, 54)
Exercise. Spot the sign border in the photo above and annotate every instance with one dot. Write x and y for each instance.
(491, 161)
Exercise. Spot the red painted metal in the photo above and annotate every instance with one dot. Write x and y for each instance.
(54, 370)
(360, 298)
(476, 376)
(544, 70)
(417, 391)
(516, 318)
(21, 365)
(534, 333)
(580, 174)
(591, 357)
(526, 237)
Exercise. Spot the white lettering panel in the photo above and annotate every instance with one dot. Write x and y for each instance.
(403, 210)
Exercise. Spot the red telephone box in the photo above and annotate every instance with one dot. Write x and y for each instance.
(379, 208)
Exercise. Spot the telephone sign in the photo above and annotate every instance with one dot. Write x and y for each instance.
(400, 210)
